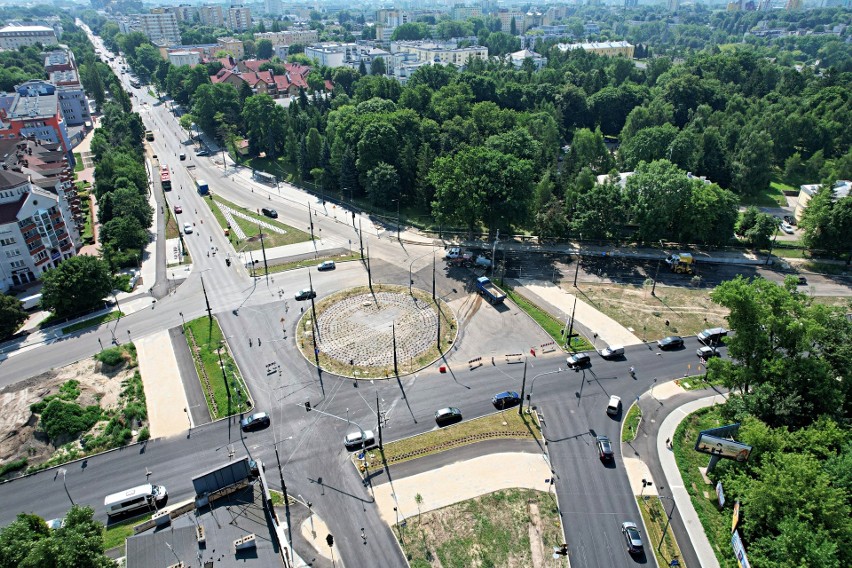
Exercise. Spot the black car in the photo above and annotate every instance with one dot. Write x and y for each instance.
(578, 360)
(271, 213)
(306, 294)
(254, 421)
(506, 399)
(448, 415)
(670, 342)
(604, 448)
(790, 220)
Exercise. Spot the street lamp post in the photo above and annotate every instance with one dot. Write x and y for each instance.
(668, 520)
(411, 267)
(532, 385)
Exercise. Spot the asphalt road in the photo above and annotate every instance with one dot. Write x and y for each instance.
(594, 499)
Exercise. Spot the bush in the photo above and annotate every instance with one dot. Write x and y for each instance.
(12, 466)
(111, 357)
(61, 418)
(144, 434)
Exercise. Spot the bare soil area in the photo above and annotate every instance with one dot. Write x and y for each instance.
(19, 433)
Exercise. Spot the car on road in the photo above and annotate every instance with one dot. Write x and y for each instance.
(506, 399)
(305, 294)
(801, 281)
(326, 265)
(448, 415)
(613, 407)
(631, 536)
(670, 342)
(357, 440)
(254, 421)
(452, 253)
(178, 209)
(271, 213)
(706, 352)
(604, 448)
(612, 351)
(790, 220)
(578, 360)
(202, 153)
(187, 228)
(787, 228)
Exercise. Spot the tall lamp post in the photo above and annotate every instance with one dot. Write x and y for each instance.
(532, 385)
(668, 520)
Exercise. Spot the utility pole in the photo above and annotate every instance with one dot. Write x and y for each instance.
(494, 252)
(577, 270)
(224, 376)
(281, 477)
(206, 299)
(263, 248)
(433, 276)
(438, 306)
(654, 285)
(360, 239)
(395, 362)
(311, 220)
(369, 272)
(397, 218)
(571, 329)
(379, 420)
(523, 386)
(313, 305)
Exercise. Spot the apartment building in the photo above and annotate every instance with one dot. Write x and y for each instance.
(12, 37)
(444, 52)
(34, 112)
(332, 54)
(606, 48)
(159, 27)
(211, 16)
(239, 19)
(232, 46)
(289, 37)
(461, 12)
(506, 16)
(183, 13)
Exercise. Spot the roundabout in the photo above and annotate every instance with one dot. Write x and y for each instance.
(381, 333)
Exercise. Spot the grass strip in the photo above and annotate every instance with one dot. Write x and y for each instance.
(92, 322)
(116, 534)
(250, 228)
(631, 423)
(310, 262)
(550, 324)
(656, 521)
(504, 424)
(207, 344)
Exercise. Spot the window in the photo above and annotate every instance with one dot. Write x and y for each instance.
(13, 253)
(9, 241)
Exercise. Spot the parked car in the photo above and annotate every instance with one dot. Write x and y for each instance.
(578, 360)
(305, 294)
(604, 448)
(254, 421)
(453, 252)
(178, 209)
(787, 228)
(670, 342)
(506, 399)
(801, 281)
(202, 152)
(613, 407)
(271, 213)
(705, 352)
(448, 415)
(612, 351)
(631, 536)
(187, 228)
(356, 441)
(327, 265)
(790, 220)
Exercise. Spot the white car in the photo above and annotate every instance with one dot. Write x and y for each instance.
(786, 227)
(187, 228)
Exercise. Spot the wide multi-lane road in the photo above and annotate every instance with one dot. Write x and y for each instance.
(594, 499)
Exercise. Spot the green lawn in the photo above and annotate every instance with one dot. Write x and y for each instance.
(550, 324)
(223, 399)
(771, 196)
(93, 322)
(78, 161)
(116, 534)
(655, 514)
(250, 228)
(716, 523)
(310, 262)
(631, 423)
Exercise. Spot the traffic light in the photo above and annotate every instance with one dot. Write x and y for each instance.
(330, 540)
(308, 408)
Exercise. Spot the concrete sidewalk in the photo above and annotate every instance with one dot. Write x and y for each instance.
(459, 482)
(164, 391)
(609, 331)
(697, 536)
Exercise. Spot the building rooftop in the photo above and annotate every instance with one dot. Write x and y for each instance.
(34, 107)
(593, 45)
(841, 188)
(27, 29)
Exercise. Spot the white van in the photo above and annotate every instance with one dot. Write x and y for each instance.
(612, 351)
(712, 336)
(147, 497)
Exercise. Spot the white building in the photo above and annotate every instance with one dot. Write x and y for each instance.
(840, 189)
(13, 37)
(160, 28)
(181, 57)
(289, 37)
(519, 57)
(332, 54)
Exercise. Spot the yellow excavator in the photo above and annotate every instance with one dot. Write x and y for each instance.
(681, 263)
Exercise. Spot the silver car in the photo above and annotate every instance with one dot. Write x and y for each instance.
(631, 536)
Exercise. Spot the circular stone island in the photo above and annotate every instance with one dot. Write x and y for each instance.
(355, 331)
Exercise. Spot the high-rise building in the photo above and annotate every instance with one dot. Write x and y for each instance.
(673, 5)
(211, 16)
(461, 12)
(239, 19)
(273, 7)
(160, 27)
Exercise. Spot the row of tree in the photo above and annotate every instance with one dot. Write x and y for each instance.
(790, 376)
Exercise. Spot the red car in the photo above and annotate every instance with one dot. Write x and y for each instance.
(178, 209)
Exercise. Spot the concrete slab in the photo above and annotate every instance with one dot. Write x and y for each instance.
(609, 331)
(668, 390)
(174, 252)
(459, 482)
(164, 392)
(637, 470)
(313, 530)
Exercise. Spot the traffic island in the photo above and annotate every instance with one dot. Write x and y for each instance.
(376, 333)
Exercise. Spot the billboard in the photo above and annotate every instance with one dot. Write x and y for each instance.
(739, 551)
(716, 446)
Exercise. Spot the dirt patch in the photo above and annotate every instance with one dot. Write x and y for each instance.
(509, 529)
(19, 434)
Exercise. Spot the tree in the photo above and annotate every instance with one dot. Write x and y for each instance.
(28, 541)
(124, 233)
(756, 228)
(481, 185)
(264, 49)
(602, 214)
(751, 162)
(648, 144)
(827, 222)
(383, 184)
(77, 285)
(378, 67)
(266, 125)
(12, 316)
(411, 31)
(588, 150)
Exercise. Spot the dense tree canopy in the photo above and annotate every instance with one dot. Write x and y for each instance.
(78, 284)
